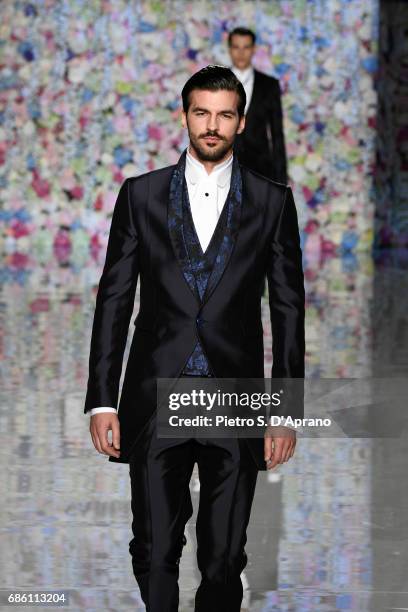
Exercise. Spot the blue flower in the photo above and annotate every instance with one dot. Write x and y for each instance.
(282, 68)
(192, 54)
(122, 156)
(30, 10)
(370, 64)
(87, 94)
(26, 49)
(31, 163)
(145, 26)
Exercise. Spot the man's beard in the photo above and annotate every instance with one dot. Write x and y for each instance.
(207, 154)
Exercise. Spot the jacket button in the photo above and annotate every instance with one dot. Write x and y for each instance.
(198, 320)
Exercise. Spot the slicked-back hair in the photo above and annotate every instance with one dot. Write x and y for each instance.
(214, 78)
(241, 32)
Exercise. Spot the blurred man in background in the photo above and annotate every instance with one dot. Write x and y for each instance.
(261, 146)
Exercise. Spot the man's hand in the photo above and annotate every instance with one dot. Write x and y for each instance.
(99, 426)
(279, 445)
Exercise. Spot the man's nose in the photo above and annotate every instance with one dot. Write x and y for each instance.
(212, 124)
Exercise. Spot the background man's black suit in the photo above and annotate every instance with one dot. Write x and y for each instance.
(261, 146)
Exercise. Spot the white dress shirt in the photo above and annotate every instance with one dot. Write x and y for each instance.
(247, 79)
(207, 194)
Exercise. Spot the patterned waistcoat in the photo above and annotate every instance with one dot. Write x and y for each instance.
(198, 267)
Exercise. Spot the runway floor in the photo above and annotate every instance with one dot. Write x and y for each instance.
(329, 529)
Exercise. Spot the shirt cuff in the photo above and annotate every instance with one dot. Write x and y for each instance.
(101, 409)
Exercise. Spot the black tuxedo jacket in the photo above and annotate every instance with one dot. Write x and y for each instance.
(171, 318)
(261, 146)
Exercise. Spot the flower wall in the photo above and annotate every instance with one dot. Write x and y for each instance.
(90, 94)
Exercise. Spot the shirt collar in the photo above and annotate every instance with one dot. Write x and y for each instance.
(195, 171)
(243, 74)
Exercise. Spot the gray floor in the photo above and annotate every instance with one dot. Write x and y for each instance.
(328, 529)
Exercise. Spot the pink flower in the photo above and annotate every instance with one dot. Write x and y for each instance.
(155, 132)
(40, 186)
(151, 100)
(62, 246)
(18, 229)
(77, 192)
(41, 304)
(98, 204)
(18, 260)
(155, 71)
(67, 179)
(307, 193)
(328, 247)
(118, 177)
(122, 124)
(311, 226)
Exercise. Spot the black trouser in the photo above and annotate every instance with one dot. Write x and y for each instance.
(161, 506)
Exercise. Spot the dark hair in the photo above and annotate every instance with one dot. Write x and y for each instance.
(214, 78)
(241, 32)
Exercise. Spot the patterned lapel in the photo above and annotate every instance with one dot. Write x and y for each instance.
(175, 224)
(177, 231)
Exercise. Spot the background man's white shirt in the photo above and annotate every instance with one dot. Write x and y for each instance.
(247, 79)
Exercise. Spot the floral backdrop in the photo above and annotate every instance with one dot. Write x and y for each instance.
(90, 94)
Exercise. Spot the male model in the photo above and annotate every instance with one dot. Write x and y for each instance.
(261, 146)
(202, 235)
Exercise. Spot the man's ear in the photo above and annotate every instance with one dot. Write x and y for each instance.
(241, 125)
(183, 119)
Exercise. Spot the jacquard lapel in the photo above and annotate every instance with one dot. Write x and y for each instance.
(175, 224)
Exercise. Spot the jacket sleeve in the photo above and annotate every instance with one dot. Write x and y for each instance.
(287, 304)
(114, 306)
(278, 137)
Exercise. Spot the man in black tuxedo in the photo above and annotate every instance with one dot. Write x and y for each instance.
(261, 146)
(202, 234)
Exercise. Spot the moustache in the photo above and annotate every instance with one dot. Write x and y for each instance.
(212, 135)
